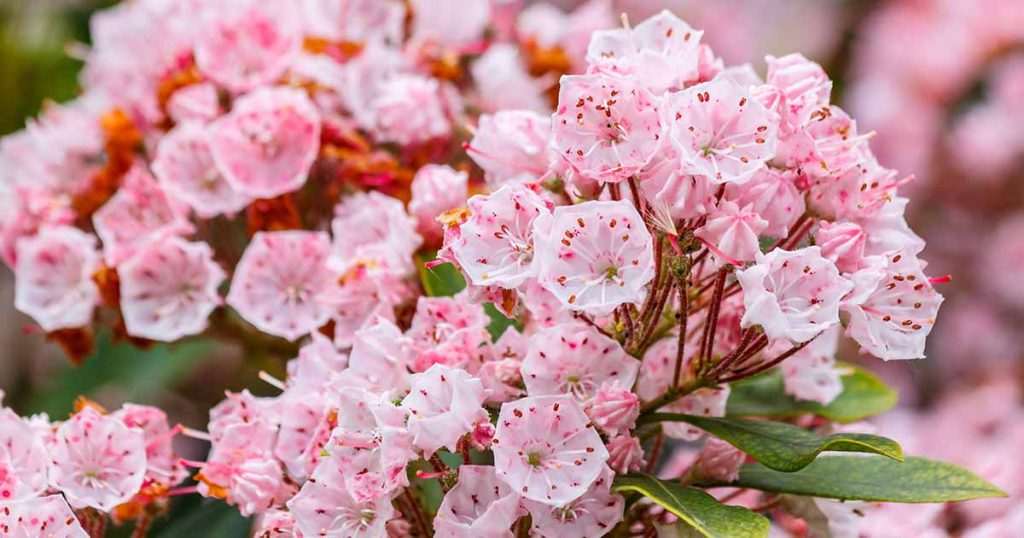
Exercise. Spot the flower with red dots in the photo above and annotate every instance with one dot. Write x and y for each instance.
(97, 461)
(479, 505)
(606, 127)
(444, 404)
(792, 294)
(595, 256)
(721, 131)
(280, 282)
(575, 359)
(184, 166)
(169, 288)
(266, 145)
(54, 283)
(893, 308)
(546, 449)
(48, 516)
(495, 246)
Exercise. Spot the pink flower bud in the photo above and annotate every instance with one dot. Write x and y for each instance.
(720, 461)
(843, 243)
(613, 409)
(625, 454)
(483, 434)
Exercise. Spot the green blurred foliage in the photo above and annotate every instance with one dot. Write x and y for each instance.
(34, 66)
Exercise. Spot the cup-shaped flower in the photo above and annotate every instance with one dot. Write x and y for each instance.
(546, 449)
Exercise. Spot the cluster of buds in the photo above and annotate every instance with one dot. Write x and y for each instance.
(675, 225)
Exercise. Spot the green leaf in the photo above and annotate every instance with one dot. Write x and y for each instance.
(783, 447)
(440, 281)
(863, 395)
(698, 509)
(872, 478)
(499, 323)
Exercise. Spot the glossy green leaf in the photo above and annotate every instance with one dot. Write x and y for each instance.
(698, 509)
(872, 478)
(783, 447)
(440, 281)
(863, 395)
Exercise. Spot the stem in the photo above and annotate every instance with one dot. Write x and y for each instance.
(141, 527)
(735, 355)
(671, 396)
(636, 196)
(711, 323)
(652, 460)
(765, 366)
(417, 513)
(684, 315)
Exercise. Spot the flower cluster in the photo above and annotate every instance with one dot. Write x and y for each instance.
(674, 226)
(97, 463)
(259, 118)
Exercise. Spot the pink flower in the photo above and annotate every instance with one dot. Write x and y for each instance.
(545, 449)
(162, 463)
(674, 195)
(804, 86)
(368, 290)
(279, 282)
(503, 81)
(500, 374)
(318, 359)
(842, 243)
(242, 471)
(54, 278)
(97, 461)
(661, 52)
(479, 505)
(596, 256)
(23, 459)
(449, 22)
(369, 448)
(276, 523)
(139, 212)
(625, 455)
(48, 516)
(266, 145)
(354, 20)
(511, 146)
(733, 232)
(184, 165)
(606, 127)
(708, 402)
(436, 189)
(719, 461)
(169, 288)
(811, 373)
(792, 294)
(720, 130)
(243, 44)
(444, 404)
(411, 109)
(591, 515)
(194, 103)
(324, 507)
(306, 419)
(894, 307)
(613, 409)
(495, 246)
(380, 360)
(575, 359)
(773, 195)
(373, 226)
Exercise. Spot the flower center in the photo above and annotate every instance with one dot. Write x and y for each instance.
(533, 458)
